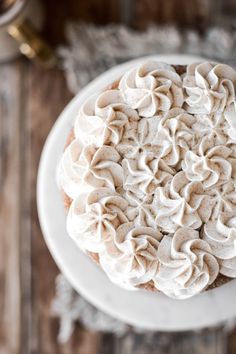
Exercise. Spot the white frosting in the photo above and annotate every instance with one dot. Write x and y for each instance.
(223, 199)
(93, 218)
(213, 126)
(141, 139)
(228, 267)
(152, 165)
(210, 165)
(152, 87)
(175, 135)
(230, 116)
(84, 167)
(140, 209)
(131, 258)
(221, 236)
(145, 174)
(104, 119)
(181, 203)
(186, 264)
(210, 87)
(72, 169)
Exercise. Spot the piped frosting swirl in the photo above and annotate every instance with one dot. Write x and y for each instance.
(151, 88)
(210, 87)
(130, 259)
(221, 236)
(94, 218)
(181, 203)
(187, 265)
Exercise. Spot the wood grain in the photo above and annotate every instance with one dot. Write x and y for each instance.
(99, 12)
(136, 13)
(10, 107)
(43, 104)
(183, 13)
(231, 342)
(30, 101)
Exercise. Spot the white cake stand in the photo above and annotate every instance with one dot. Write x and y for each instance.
(140, 308)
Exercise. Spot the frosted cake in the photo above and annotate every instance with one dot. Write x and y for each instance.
(149, 178)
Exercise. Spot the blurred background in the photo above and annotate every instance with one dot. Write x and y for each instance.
(138, 14)
(75, 41)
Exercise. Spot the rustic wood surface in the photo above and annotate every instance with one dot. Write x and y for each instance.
(30, 101)
(196, 14)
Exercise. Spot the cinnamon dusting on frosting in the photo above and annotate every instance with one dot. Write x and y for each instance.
(150, 178)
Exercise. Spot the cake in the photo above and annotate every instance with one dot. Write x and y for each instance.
(148, 177)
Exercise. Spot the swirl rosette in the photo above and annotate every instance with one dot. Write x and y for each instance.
(145, 174)
(223, 199)
(140, 209)
(175, 135)
(151, 88)
(142, 140)
(104, 119)
(83, 167)
(130, 259)
(210, 87)
(181, 203)
(214, 126)
(93, 218)
(211, 165)
(220, 234)
(186, 264)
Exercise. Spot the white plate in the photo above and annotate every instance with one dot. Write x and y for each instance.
(140, 308)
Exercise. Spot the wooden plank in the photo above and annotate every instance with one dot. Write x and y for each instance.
(183, 13)
(25, 216)
(10, 107)
(231, 341)
(46, 97)
(95, 11)
(137, 13)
